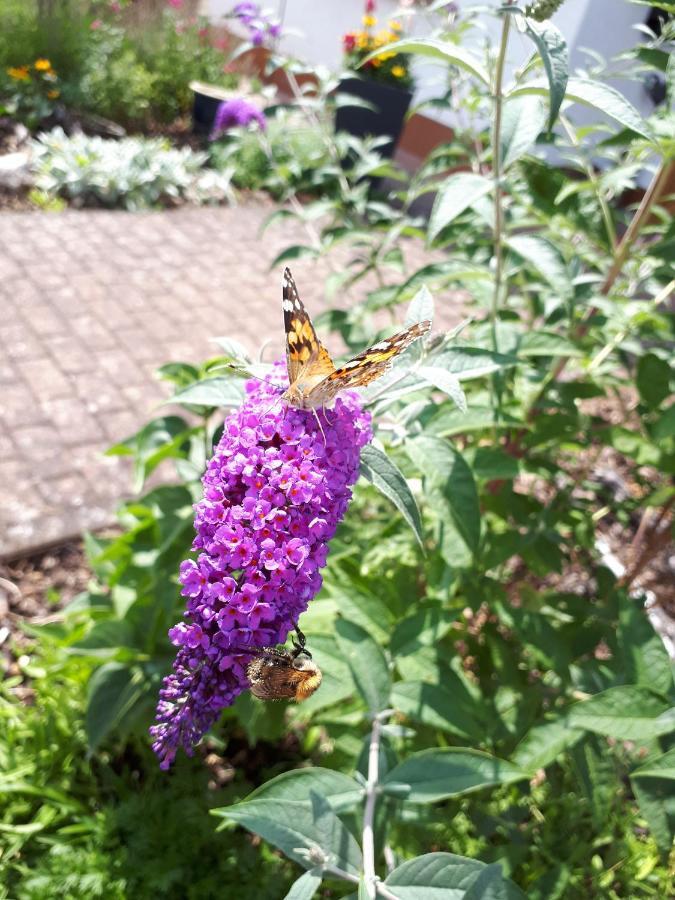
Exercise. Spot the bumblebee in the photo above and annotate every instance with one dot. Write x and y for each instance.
(282, 674)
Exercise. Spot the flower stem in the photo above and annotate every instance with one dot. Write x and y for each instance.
(368, 839)
(497, 176)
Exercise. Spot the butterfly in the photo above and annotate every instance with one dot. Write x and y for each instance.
(313, 378)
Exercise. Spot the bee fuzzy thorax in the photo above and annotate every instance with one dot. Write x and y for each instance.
(279, 675)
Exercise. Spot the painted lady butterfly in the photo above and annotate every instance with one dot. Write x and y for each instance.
(314, 381)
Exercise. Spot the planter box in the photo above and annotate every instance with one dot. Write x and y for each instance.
(386, 120)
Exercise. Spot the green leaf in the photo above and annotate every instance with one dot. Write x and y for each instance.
(656, 799)
(218, 391)
(489, 885)
(296, 251)
(340, 790)
(596, 94)
(442, 876)
(553, 51)
(457, 193)
(473, 362)
(424, 628)
(446, 52)
(445, 381)
(421, 307)
(306, 886)
(522, 121)
(642, 653)
(382, 473)
(653, 787)
(162, 438)
(432, 775)
(544, 743)
(545, 258)
(298, 829)
(653, 380)
(627, 712)
(665, 426)
(367, 664)
(492, 462)
(114, 689)
(436, 459)
(433, 705)
(546, 343)
(660, 767)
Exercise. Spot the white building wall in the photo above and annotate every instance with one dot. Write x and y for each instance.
(314, 30)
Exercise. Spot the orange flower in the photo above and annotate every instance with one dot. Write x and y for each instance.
(43, 65)
(53, 94)
(19, 73)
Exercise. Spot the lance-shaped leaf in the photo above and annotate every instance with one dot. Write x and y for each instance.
(553, 51)
(367, 664)
(306, 885)
(432, 775)
(457, 193)
(382, 473)
(437, 460)
(300, 830)
(593, 93)
(628, 712)
(445, 876)
(443, 51)
(522, 121)
(340, 790)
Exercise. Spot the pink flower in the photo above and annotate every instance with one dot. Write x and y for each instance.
(176, 4)
(96, 24)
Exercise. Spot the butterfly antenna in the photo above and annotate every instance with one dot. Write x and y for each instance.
(277, 399)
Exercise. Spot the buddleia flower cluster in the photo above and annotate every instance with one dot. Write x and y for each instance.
(541, 10)
(274, 492)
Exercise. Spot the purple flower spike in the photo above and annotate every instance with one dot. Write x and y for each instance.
(274, 493)
(238, 111)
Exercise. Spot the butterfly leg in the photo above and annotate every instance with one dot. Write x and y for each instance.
(318, 422)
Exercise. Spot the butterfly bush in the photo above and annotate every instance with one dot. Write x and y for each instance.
(274, 493)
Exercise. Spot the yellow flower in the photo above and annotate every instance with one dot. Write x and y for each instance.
(369, 21)
(395, 26)
(53, 94)
(385, 56)
(19, 73)
(43, 65)
(398, 71)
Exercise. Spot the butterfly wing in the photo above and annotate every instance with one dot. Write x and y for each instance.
(369, 365)
(305, 354)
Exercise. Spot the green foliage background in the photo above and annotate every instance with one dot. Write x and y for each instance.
(506, 730)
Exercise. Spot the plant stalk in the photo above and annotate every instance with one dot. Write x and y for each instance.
(368, 838)
(497, 176)
(642, 213)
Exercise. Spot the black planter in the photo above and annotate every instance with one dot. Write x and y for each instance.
(207, 99)
(386, 120)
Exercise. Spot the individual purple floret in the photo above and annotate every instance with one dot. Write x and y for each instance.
(238, 111)
(274, 493)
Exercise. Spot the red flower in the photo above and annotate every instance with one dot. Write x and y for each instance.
(370, 6)
(349, 41)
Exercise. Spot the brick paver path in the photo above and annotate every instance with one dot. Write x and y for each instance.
(91, 303)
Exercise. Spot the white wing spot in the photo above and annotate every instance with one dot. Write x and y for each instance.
(383, 345)
(287, 305)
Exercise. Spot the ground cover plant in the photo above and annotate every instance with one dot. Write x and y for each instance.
(495, 717)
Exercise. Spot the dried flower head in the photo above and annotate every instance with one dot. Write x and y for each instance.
(274, 493)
